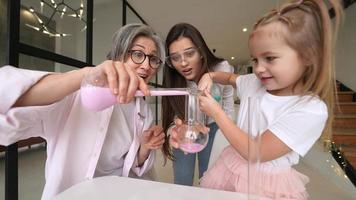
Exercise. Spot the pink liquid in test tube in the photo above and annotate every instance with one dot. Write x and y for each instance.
(99, 98)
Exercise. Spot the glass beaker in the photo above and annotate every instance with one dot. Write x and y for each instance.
(254, 148)
(191, 138)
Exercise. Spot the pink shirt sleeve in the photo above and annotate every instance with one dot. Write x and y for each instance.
(32, 121)
(14, 83)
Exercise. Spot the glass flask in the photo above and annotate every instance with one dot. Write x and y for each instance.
(190, 136)
(96, 95)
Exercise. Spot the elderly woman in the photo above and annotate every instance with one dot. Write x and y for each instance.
(82, 144)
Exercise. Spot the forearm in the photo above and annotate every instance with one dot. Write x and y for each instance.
(267, 147)
(236, 137)
(52, 88)
(224, 78)
(142, 155)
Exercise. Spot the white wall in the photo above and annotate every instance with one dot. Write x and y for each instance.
(346, 50)
(108, 19)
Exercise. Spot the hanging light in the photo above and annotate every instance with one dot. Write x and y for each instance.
(42, 3)
(67, 10)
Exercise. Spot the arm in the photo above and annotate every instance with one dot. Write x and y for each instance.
(270, 148)
(122, 80)
(43, 93)
(21, 123)
(223, 78)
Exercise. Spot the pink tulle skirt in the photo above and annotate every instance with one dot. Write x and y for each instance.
(230, 173)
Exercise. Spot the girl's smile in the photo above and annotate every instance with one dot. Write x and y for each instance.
(264, 80)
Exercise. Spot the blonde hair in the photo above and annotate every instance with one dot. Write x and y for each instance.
(310, 33)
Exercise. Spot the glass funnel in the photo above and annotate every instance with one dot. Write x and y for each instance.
(191, 138)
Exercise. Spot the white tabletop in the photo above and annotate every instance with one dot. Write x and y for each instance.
(113, 187)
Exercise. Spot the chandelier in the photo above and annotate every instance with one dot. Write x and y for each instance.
(56, 8)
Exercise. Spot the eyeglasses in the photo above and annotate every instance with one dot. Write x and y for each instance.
(177, 58)
(138, 57)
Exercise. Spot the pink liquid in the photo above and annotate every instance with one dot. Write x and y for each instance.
(191, 147)
(99, 98)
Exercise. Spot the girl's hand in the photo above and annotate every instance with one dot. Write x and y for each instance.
(205, 82)
(153, 138)
(208, 104)
(123, 81)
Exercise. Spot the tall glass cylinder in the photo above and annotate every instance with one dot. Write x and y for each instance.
(254, 147)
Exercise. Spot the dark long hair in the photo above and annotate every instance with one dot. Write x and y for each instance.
(172, 106)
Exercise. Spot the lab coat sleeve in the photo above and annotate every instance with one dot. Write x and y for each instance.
(147, 165)
(24, 122)
(15, 82)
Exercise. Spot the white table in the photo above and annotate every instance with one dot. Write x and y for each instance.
(114, 188)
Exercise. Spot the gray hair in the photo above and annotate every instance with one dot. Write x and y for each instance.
(124, 37)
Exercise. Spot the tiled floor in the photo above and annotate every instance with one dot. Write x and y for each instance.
(326, 183)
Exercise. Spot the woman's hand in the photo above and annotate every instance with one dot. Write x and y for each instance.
(123, 81)
(209, 105)
(152, 138)
(205, 81)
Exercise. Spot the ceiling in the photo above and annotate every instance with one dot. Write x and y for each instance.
(220, 21)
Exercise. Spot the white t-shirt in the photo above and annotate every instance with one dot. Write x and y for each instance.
(298, 121)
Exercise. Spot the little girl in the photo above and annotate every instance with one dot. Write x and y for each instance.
(291, 50)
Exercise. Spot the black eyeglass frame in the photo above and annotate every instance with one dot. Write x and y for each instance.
(146, 55)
